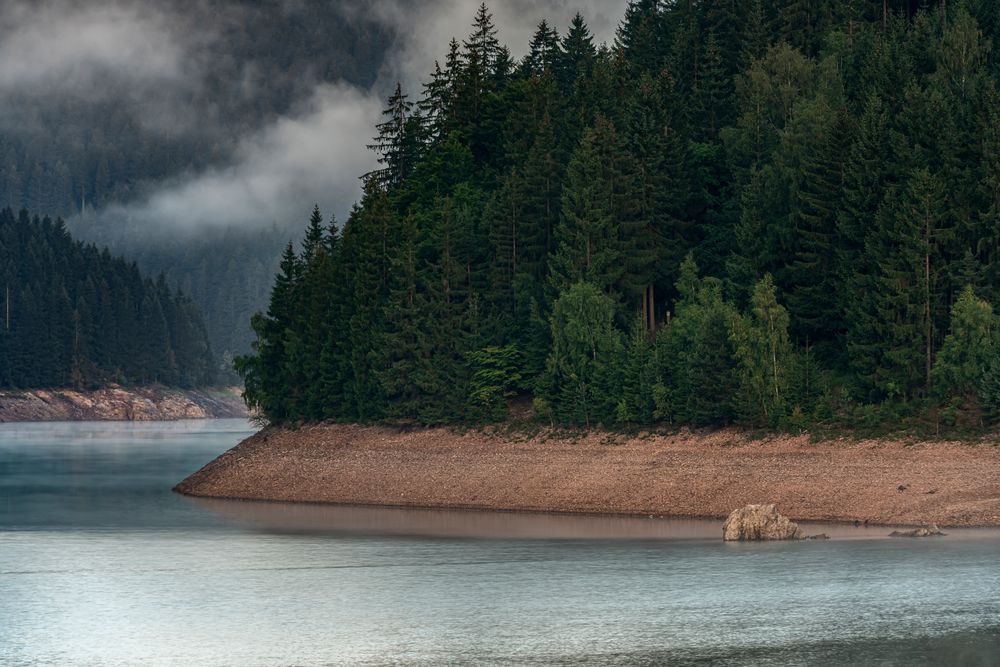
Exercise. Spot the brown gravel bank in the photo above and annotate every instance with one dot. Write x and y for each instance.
(120, 404)
(882, 482)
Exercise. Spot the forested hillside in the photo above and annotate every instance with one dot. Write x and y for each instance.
(74, 316)
(773, 212)
(227, 272)
(77, 148)
(73, 146)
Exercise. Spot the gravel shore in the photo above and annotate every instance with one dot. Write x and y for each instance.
(884, 482)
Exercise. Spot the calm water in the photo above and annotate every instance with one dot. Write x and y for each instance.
(101, 565)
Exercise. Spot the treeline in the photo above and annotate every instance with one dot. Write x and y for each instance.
(778, 213)
(74, 316)
(227, 272)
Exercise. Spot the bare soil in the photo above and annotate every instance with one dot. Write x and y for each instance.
(886, 482)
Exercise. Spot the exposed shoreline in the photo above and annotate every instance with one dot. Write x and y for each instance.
(120, 404)
(881, 482)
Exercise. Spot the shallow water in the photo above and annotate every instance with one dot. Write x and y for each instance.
(101, 565)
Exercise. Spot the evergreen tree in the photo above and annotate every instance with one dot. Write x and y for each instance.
(575, 58)
(581, 375)
(640, 36)
(398, 143)
(543, 51)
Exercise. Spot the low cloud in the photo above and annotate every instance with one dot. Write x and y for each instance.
(316, 153)
(61, 48)
(313, 156)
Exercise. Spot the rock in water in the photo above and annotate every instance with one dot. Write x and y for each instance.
(758, 523)
(927, 531)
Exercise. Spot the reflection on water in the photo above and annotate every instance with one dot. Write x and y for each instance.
(304, 518)
(457, 524)
(101, 565)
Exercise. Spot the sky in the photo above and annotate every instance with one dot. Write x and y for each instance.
(151, 57)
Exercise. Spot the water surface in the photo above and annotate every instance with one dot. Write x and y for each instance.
(101, 565)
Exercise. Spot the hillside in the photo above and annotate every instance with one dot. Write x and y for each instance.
(773, 213)
(179, 90)
(74, 316)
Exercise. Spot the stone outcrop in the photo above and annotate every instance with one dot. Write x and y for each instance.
(116, 403)
(759, 523)
(929, 530)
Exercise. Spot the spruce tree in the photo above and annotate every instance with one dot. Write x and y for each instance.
(581, 380)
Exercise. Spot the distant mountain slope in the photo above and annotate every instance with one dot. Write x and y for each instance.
(95, 133)
(73, 315)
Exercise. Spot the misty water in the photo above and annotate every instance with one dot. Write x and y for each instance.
(100, 564)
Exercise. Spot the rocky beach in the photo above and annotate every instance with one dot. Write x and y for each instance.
(120, 404)
(881, 482)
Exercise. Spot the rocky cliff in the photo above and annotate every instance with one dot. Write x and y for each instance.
(120, 404)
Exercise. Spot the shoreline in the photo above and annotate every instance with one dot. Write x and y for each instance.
(681, 476)
(116, 403)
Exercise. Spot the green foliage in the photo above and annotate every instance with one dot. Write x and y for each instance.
(764, 354)
(581, 375)
(697, 379)
(969, 350)
(495, 375)
(73, 316)
(834, 168)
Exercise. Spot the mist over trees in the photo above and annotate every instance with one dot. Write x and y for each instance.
(81, 139)
(776, 213)
(92, 136)
(74, 316)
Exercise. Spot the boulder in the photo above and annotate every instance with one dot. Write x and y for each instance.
(759, 523)
(929, 530)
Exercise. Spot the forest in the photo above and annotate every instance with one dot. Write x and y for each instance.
(74, 316)
(72, 151)
(776, 213)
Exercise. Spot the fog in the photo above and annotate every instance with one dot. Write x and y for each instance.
(151, 57)
(315, 155)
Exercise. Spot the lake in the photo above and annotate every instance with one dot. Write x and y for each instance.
(100, 564)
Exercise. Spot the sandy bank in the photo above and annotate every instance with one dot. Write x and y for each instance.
(685, 475)
(119, 404)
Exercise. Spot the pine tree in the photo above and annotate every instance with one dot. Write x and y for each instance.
(398, 143)
(315, 235)
(590, 248)
(543, 50)
(575, 58)
(581, 378)
(715, 93)
(812, 283)
(640, 37)
(661, 197)
(907, 291)
(969, 348)
(636, 404)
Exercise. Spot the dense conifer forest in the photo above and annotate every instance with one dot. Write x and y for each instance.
(74, 316)
(776, 213)
(227, 272)
(71, 151)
